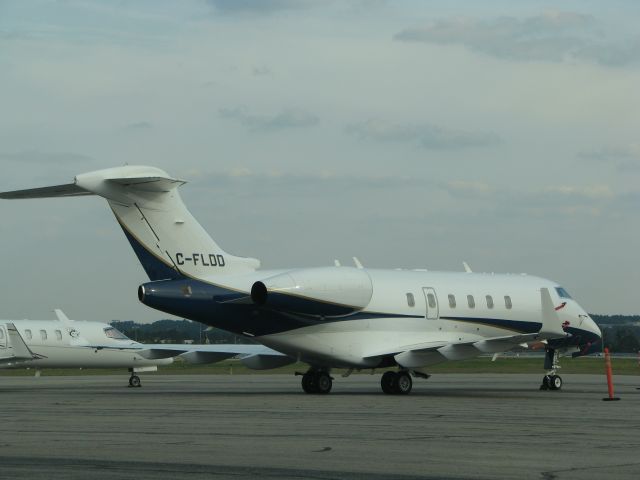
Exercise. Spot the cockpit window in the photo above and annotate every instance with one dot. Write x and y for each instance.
(114, 333)
(562, 293)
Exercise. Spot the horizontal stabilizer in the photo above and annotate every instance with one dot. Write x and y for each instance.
(148, 184)
(68, 190)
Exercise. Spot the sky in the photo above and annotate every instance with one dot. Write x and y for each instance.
(411, 134)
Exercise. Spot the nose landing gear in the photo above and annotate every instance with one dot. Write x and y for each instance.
(551, 381)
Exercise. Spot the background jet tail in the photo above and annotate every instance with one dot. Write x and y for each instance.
(167, 239)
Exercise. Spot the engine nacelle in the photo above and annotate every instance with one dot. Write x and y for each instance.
(325, 291)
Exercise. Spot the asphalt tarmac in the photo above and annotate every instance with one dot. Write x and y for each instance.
(262, 426)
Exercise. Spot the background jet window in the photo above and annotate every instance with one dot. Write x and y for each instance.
(111, 332)
(59, 335)
(43, 334)
(27, 333)
(410, 300)
(471, 301)
(489, 301)
(507, 302)
(452, 301)
(431, 298)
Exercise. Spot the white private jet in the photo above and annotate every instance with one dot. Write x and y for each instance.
(66, 343)
(330, 317)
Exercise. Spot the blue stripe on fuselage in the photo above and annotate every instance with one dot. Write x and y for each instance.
(234, 311)
(514, 325)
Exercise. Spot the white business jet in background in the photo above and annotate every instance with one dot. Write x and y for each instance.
(330, 317)
(65, 343)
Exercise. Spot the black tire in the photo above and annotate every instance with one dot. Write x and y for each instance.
(309, 383)
(388, 382)
(546, 383)
(555, 382)
(403, 384)
(323, 383)
(134, 381)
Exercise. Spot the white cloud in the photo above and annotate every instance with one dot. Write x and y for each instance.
(590, 192)
(553, 36)
(288, 118)
(465, 187)
(425, 135)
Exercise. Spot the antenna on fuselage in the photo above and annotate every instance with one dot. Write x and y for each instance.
(357, 262)
(467, 268)
(337, 263)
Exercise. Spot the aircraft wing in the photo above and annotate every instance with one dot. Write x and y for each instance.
(421, 354)
(21, 351)
(257, 357)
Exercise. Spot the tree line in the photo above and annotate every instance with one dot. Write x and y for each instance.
(621, 333)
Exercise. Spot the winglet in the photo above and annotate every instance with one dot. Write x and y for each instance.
(20, 349)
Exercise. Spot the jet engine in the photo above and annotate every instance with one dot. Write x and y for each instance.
(325, 291)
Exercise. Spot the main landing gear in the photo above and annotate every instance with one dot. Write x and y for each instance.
(317, 381)
(396, 383)
(134, 380)
(551, 381)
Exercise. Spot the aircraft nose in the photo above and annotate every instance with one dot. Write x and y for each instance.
(588, 336)
(592, 327)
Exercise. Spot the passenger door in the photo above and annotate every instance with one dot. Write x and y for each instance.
(431, 301)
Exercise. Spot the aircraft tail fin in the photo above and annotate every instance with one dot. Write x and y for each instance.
(168, 240)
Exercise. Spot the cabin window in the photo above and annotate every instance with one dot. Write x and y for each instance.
(507, 302)
(1, 334)
(27, 333)
(58, 335)
(452, 301)
(471, 301)
(431, 298)
(410, 300)
(43, 334)
(489, 301)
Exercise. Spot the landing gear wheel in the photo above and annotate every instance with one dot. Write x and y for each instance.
(403, 384)
(309, 383)
(388, 381)
(546, 383)
(134, 381)
(555, 382)
(323, 383)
